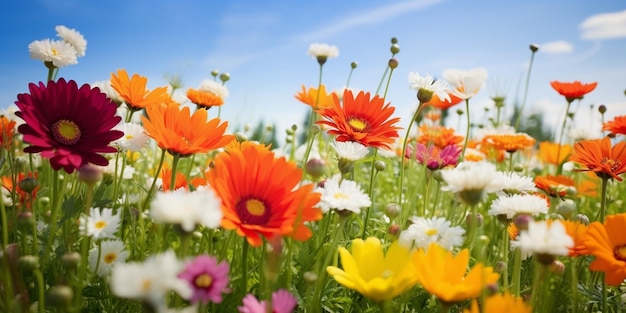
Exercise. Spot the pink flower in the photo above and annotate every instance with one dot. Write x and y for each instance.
(207, 278)
(282, 302)
(434, 158)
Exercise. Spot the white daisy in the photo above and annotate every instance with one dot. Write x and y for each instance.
(437, 87)
(106, 256)
(106, 88)
(74, 38)
(465, 84)
(317, 50)
(511, 205)
(59, 53)
(216, 88)
(187, 208)
(425, 231)
(100, 224)
(472, 180)
(134, 137)
(544, 238)
(512, 182)
(150, 281)
(343, 196)
(349, 150)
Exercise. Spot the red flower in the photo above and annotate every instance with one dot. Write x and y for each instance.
(573, 91)
(598, 156)
(68, 125)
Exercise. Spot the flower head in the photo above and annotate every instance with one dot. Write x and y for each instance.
(74, 38)
(435, 158)
(512, 183)
(282, 302)
(511, 205)
(424, 231)
(68, 125)
(362, 120)
(7, 131)
(343, 195)
(438, 136)
(58, 53)
(371, 272)
(544, 238)
(598, 156)
(573, 91)
(554, 185)
(577, 231)
(509, 142)
(427, 87)
(501, 303)
(103, 259)
(133, 91)
(616, 126)
(100, 224)
(465, 84)
(349, 150)
(315, 98)
(207, 278)
(321, 52)
(134, 137)
(187, 208)
(471, 180)
(553, 153)
(260, 194)
(607, 243)
(182, 133)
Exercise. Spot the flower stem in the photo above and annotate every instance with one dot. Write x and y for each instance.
(574, 284)
(603, 199)
(521, 110)
(558, 150)
(56, 206)
(371, 194)
(402, 156)
(244, 266)
(40, 288)
(467, 132)
(516, 274)
(322, 275)
(174, 167)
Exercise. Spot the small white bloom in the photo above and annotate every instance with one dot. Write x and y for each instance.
(60, 53)
(187, 208)
(513, 182)
(215, 87)
(511, 205)
(465, 84)
(425, 231)
(343, 196)
(317, 50)
(581, 133)
(106, 88)
(437, 87)
(151, 280)
(349, 150)
(105, 257)
(7, 198)
(100, 224)
(542, 238)
(129, 170)
(74, 38)
(134, 137)
(475, 176)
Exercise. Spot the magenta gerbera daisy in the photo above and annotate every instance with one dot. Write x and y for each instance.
(71, 126)
(207, 279)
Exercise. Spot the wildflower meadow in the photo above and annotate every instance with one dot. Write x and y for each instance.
(118, 198)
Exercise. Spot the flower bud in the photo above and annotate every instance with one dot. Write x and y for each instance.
(602, 107)
(491, 289)
(475, 219)
(380, 165)
(393, 63)
(424, 95)
(224, 77)
(534, 47)
(214, 73)
(315, 129)
(28, 262)
(395, 49)
(557, 267)
(59, 296)
(394, 40)
(581, 218)
(26, 219)
(310, 277)
(28, 184)
(315, 167)
(71, 260)
(394, 230)
(353, 65)
(392, 210)
(566, 208)
(89, 174)
(500, 267)
(521, 221)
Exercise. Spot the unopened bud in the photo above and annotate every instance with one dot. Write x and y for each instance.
(474, 219)
(491, 289)
(89, 174)
(521, 221)
(353, 65)
(214, 73)
(394, 230)
(394, 40)
(557, 267)
(315, 167)
(380, 165)
(26, 219)
(566, 208)
(392, 210)
(28, 262)
(71, 260)
(310, 277)
(393, 63)
(315, 129)
(395, 49)
(581, 218)
(28, 184)
(59, 296)
(534, 47)
(602, 107)
(224, 77)
(500, 267)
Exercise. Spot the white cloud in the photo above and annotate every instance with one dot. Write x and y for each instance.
(604, 26)
(373, 16)
(556, 47)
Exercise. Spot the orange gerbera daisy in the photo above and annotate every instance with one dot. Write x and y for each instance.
(549, 152)
(444, 104)
(133, 91)
(616, 126)
(607, 242)
(260, 194)
(554, 185)
(7, 131)
(500, 303)
(180, 133)
(315, 98)
(509, 142)
(577, 231)
(179, 182)
(360, 119)
(204, 98)
(437, 135)
(598, 156)
(573, 91)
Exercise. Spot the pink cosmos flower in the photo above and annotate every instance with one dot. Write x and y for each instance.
(207, 279)
(282, 302)
(434, 158)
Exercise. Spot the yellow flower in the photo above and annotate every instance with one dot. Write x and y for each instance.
(501, 303)
(443, 274)
(375, 275)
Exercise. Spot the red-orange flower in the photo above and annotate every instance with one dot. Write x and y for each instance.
(180, 133)
(204, 98)
(573, 91)
(443, 104)
(509, 142)
(577, 231)
(7, 131)
(554, 185)
(7, 183)
(133, 91)
(617, 126)
(315, 98)
(260, 194)
(360, 119)
(607, 242)
(437, 135)
(179, 182)
(598, 156)
(550, 152)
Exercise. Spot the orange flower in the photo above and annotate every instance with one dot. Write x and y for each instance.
(260, 194)
(616, 126)
(577, 231)
(133, 91)
(509, 142)
(573, 91)
(500, 303)
(7, 131)
(598, 156)
(607, 242)
(549, 152)
(362, 120)
(554, 185)
(166, 177)
(437, 135)
(444, 105)
(316, 99)
(180, 133)
(7, 183)
(204, 98)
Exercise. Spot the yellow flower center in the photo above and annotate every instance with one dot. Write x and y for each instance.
(66, 132)
(146, 284)
(431, 232)
(109, 258)
(204, 281)
(620, 253)
(55, 52)
(255, 207)
(129, 136)
(613, 164)
(341, 195)
(357, 124)
(100, 224)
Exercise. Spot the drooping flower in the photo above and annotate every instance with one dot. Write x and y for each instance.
(371, 272)
(187, 208)
(315, 98)
(616, 126)
(574, 90)
(427, 87)
(444, 275)
(512, 205)
(607, 243)
(545, 239)
(424, 231)
(74, 38)
(343, 195)
(68, 125)
(58, 53)
(100, 224)
(500, 303)
(133, 91)
(465, 84)
(598, 156)
(282, 302)
(102, 259)
(322, 52)
(550, 152)
(260, 194)
(182, 133)
(207, 278)
(362, 120)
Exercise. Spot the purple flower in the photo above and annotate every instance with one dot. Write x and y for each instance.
(207, 278)
(282, 302)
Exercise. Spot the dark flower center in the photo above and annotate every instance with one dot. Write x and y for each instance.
(253, 211)
(620, 252)
(66, 132)
(203, 281)
(613, 164)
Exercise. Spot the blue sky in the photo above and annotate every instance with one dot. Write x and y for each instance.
(262, 44)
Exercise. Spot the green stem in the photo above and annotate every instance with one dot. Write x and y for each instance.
(40, 288)
(56, 206)
(505, 260)
(371, 194)
(382, 79)
(574, 284)
(517, 270)
(388, 81)
(540, 273)
(558, 150)
(467, 132)
(244, 266)
(402, 157)
(174, 167)
(322, 274)
(521, 110)
(5, 226)
(604, 294)
(603, 199)
(156, 175)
